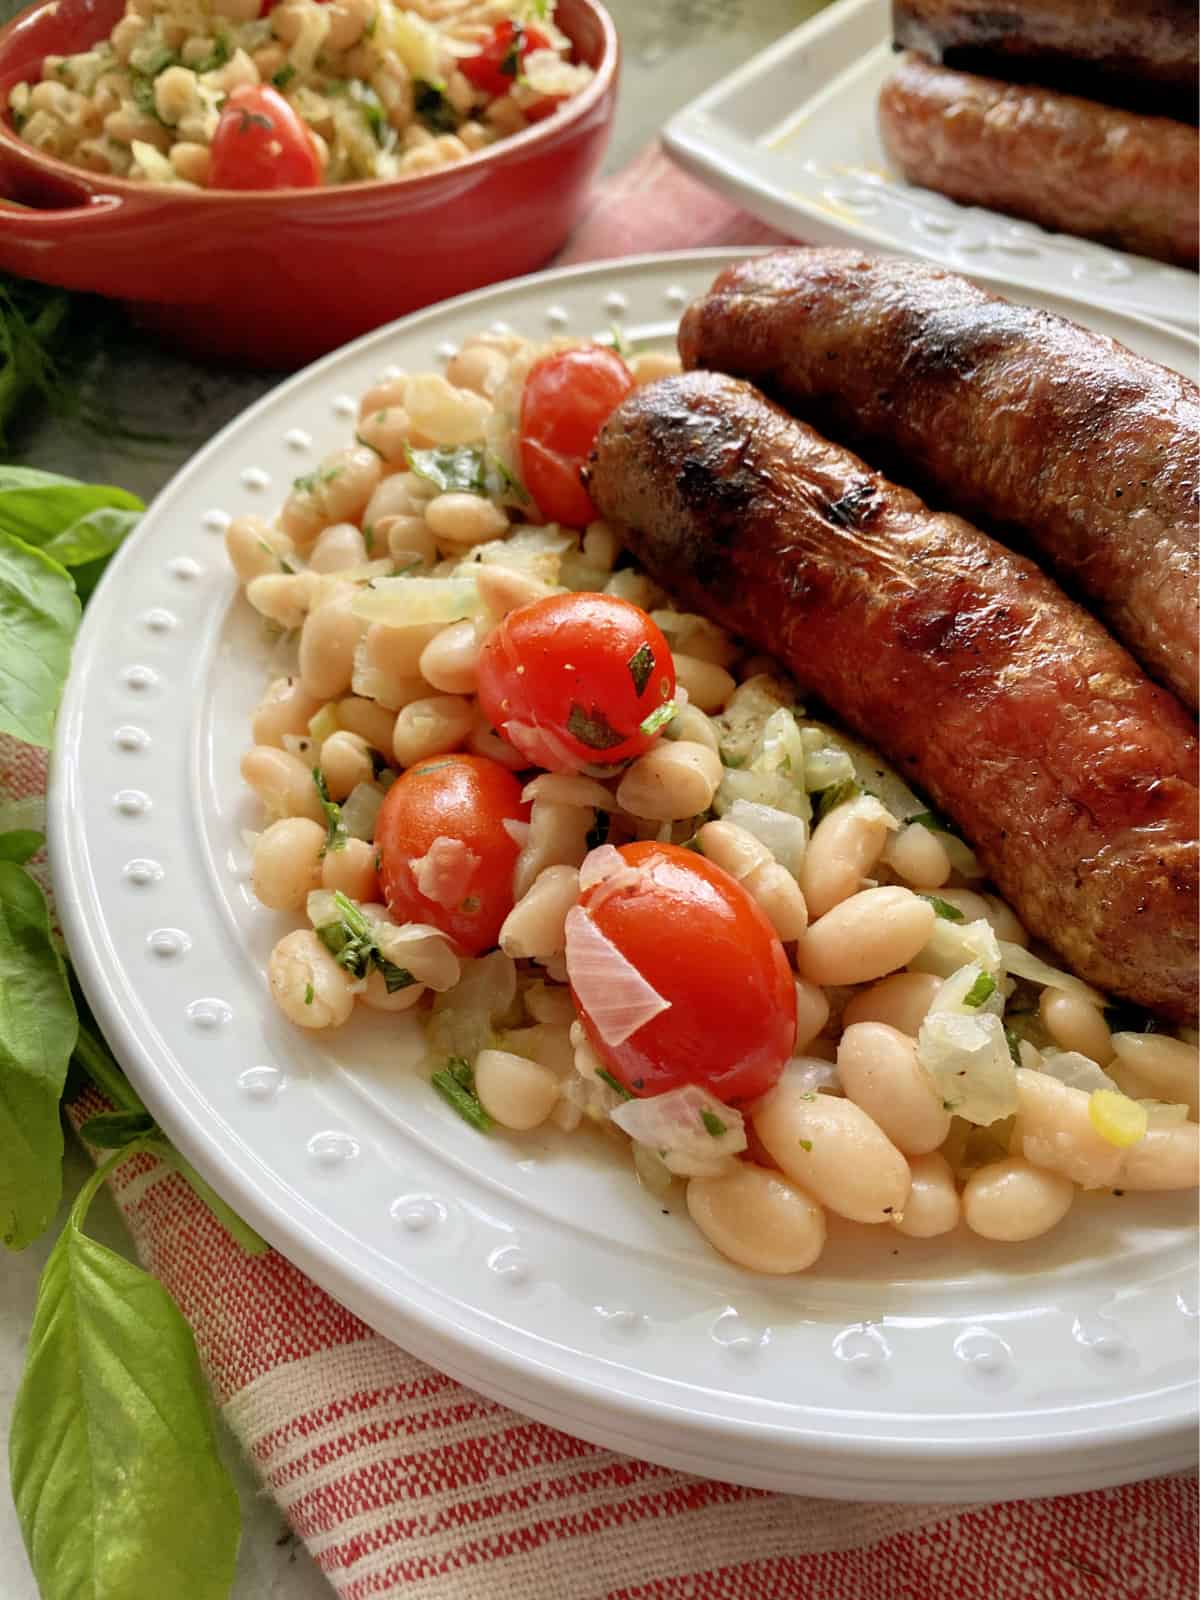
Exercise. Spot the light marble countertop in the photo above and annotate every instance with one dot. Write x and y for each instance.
(672, 50)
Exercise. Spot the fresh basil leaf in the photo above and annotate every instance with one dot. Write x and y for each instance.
(36, 507)
(116, 1477)
(37, 1035)
(93, 537)
(641, 665)
(948, 913)
(593, 728)
(113, 1130)
(432, 106)
(39, 613)
(456, 1085)
(21, 843)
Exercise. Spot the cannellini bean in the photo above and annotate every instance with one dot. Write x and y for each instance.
(654, 364)
(1011, 1200)
(550, 1004)
(901, 1001)
(1056, 1132)
(376, 996)
(346, 482)
(691, 724)
(340, 547)
(835, 1151)
(503, 589)
(1167, 1158)
(636, 587)
(345, 763)
(371, 722)
(735, 849)
(601, 545)
(673, 780)
(518, 1093)
(287, 863)
(286, 708)
(401, 494)
(391, 657)
(408, 540)
(282, 597)
(870, 934)
(1167, 1065)
(1073, 1024)
(255, 548)
(534, 928)
(306, 982)
(777, 893)
(844, 846)
(282, 782)
(917, 855)
(758, 1219)
(478, 368)
(465, 519)
(708, 685)
(388, 432)
(431, 726)
(450, 661)
(933, 1205)
(351, 870)
(328, 641)
(192, 162)
(812, 1013)
(557, 837)
(880, 1072)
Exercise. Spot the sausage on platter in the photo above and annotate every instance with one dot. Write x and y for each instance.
(1073, 775)
(1032, 426)
(1119, 177)
(1138, 53)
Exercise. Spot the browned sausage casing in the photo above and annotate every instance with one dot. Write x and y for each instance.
(1139, 53)
(1116, 176)
(1070, 772)
(1036, 428)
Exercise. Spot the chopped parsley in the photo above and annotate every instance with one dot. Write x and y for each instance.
(510, 62)
(619, 343)
(614, 1084)
(456, 1085)
(641, 665)
(659, 718)
(431, 105)
(982, 989)
(284, 76)
(351, 942)
(310, 481)
(467, 468)
(368, 532)
(944, 909)
(336, 836)
(805, 1144)
(1014, 1050)
(593, 728)
(218, 56)
(837, 794)
(713, 1125)
(310, 994)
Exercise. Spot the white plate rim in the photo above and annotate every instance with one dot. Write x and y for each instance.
(868, 1469)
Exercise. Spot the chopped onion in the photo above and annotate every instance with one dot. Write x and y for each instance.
(322, 908)
(535, 552)
(517, 831)
(402, 602)
(693, 1130)
(953, 945)
(360, 810)
(784, 834)
(824, 766)
(443, 874)
(952, 996)
(780, 747)
(564, 789)
(155, 166)
(419, 948)
(546, 73)
(324, 724)
(761, 788)
(1022, 964)
(1077, 1071)
(463, 1020)
(607, 985)
(605, 861)
(969, 1061)
(653, 1172)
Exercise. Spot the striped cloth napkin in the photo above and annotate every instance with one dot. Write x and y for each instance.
(404, 1483)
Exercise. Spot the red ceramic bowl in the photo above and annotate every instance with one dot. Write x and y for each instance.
(278, 277)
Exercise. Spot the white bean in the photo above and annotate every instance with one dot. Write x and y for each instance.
(465, 519)
(777, 894)
(693, 725)
(1167, 1158)
(286, 708)
(504, 589)
(901, 1001)
(933, 1205)
(478, 368)
(287, 863)
(520, 1094)
(409, 540)
(865, 937)
(431, 726)
(1073, 1024)
(845, 845)
(327, 644)
(351, 869)
(675, 779)
(283, 597)
(550, 1004)
(388, 661)
(601, 545)
(534, 928)
(1011, 1200)
(654, 364)
(450, 661)
(345, 763)
(282, 782)
(371, 722)
(812, 1013)
(376, 997)
(340, 547)
(835, 1151)
(1056, 1132)
(255, 548)
(1169, 1066)
(708, 685)
(758, 1219)
(880, 1072)
(738, 851)
(346, 482)
(557, 837)
(401, 494)
(306, 982)
(917, 855)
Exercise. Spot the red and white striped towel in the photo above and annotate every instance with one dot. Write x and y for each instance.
(404, 1483)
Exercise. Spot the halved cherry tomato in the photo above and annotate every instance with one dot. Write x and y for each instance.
(496, 68)
(577, 680)
(700, 941)
(445, 856)
(261, 143)
(567, 398)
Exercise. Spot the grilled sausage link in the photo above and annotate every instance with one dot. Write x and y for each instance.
(1072, 165)
(1070, 772)
(1037, 429)
(1137, 53)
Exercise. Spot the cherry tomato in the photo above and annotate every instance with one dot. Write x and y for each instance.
(445, 856)
(568, 396)
(496, 68)
(261, 143)
(571, 680)
(697, 938)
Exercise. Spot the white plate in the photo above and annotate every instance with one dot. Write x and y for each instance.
(792, 137)
(535, 1269)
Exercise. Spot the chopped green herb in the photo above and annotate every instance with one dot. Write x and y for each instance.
(805, 1144)
(510, 63)
(944, 909)
(431, 105)
(310, 994)
(143, 96)
(659, 718)
(309, 481)
(218, 56)
(619, 342)
(337, 835)
(1014, 1049)
(394, 977)
(712, 1123)
(464, 469)
(931, 820)
(368, 534)
(593, 728)
(613, 1083)
(837, 794)
(598, 832)
(981, 990)
(352, 944)
(641, 665)
(284, 76)
(456, 1085)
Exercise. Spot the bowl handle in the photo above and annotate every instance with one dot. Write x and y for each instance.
(32, 240)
